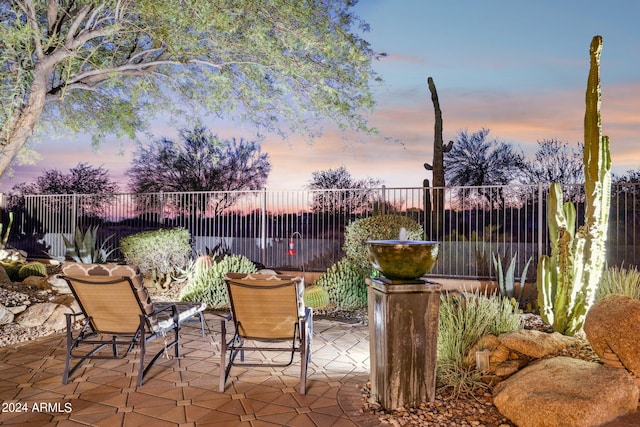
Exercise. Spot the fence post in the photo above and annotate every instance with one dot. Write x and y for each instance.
(263, 227)
(383, 209)
(74, 213)
(161, 208)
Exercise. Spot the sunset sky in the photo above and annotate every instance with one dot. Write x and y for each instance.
(517, 68)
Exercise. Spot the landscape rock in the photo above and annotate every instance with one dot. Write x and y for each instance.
(13, 255)
(59, 285)
(534, 343)
(611, 326)
(6, 316)
(509, 367)
(17, 309)
(37, 314)
(57, 321)
(37, 282)
(4, 277)
(566, 392)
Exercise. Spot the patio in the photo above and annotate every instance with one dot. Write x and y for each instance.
(183, 392)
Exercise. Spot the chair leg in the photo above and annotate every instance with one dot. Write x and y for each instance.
(304, 351)
(223, 356)
(143, 349)
(176, 331)
(67, 362)
(201, 322)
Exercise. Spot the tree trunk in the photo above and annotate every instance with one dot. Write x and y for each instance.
(19, 127)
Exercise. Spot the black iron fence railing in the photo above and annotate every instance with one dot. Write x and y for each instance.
(472, 223)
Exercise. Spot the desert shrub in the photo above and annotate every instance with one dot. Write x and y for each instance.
(158, 253)
(619, 280)
(463, 321)
(345, 284)
(379, 227)
(207, 284)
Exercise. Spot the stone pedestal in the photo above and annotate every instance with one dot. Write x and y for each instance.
(403, 337)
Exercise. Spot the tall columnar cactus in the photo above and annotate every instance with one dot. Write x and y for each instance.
(568, 279)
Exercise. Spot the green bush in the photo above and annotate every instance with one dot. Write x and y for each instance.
(345, 283)
(159, 253)
(619, 280)
(380, 227)
(463, 321)
(207, 284)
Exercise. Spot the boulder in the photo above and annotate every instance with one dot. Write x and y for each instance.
(57, 321)
(534, 343)
(611, 326)
(37, 282)
(4, 277)
(13, 255)
(59, 285)
(37, 314)
(566, 392)
(6, 315)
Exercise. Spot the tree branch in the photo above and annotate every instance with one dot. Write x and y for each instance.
(30, 12)
(73, 29)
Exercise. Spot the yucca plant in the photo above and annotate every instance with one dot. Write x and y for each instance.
(84, 247)
(506, 279)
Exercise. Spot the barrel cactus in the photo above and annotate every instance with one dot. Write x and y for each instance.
(32, 269)
(316, 297)
(568, 279)
(202, 262)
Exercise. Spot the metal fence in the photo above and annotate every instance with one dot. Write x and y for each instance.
(305, 229)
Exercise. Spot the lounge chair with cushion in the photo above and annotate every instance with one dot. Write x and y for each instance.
(266, 309)
(118, 312)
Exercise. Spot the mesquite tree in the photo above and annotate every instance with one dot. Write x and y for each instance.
(108, 66)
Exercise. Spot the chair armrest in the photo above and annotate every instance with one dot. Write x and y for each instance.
(308, 314)
(172, 307)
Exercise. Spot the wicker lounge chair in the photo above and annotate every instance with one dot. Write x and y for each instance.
(118, 314)
(266, 308)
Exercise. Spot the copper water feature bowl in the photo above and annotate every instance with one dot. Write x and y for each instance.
(403, 259)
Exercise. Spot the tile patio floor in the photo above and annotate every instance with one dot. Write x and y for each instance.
(183, 392)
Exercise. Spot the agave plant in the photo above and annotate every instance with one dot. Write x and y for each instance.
(84, 247)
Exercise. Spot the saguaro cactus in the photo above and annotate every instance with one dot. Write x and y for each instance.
(439, 149)
(568, 279)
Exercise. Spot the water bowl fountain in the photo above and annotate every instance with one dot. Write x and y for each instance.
(403, 259)
(403, 321)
